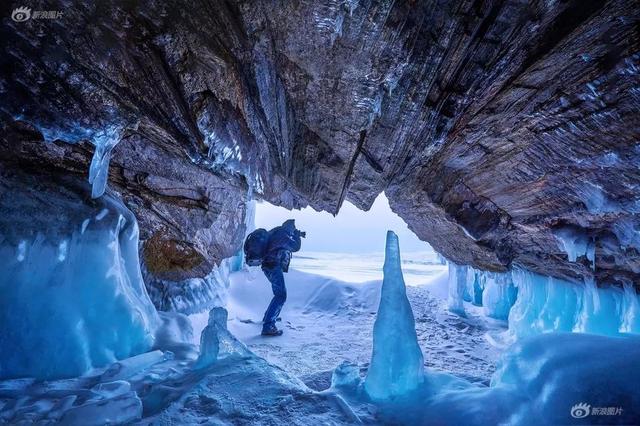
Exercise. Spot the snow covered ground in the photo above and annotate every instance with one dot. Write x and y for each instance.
(327, 320)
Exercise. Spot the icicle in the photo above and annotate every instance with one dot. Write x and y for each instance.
(99, 170)
(474, 286)
(457, 285)
(499, 295)
(630, 310)
(547, 304)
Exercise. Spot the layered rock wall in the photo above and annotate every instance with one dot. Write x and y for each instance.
(490, 125)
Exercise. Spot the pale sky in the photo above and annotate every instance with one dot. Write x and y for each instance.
(351, 231)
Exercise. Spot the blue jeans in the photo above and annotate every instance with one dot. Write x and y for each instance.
(276, 278)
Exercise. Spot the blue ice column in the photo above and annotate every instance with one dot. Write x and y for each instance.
(396, 362)
(499, 294)
(475, 286)
(457, 287)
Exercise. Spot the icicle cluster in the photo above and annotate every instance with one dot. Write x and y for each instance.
(491, 290)
(534, 303)
(549, 304)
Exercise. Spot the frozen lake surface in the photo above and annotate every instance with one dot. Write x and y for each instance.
(417, 267)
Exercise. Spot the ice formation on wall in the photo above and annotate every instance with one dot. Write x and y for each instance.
(549, 304)
(475, 286)
(74, 299)
(575, 243)
(396, 362)
(535, 304)
(104, 142)
(192, 295)
(498, 295)
(237, 261)
(494, 291)
(457, 288)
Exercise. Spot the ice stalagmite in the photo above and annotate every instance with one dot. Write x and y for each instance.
(216, 342)
(396, 363)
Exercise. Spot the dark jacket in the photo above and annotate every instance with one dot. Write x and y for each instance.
(283, 240)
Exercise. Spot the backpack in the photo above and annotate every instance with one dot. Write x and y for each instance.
(255, 247)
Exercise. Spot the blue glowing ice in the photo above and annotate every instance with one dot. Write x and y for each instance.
(457, 288)
(499, 294)
(73, 301)
(216, 341)
(547, 304)
(475, 286)
(104, 142)
(396, 362)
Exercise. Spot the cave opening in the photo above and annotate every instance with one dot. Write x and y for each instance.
(350, 245)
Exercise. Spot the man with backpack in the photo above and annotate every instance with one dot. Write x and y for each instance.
(273, 250)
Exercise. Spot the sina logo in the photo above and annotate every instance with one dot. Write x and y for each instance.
(21, 14)
(580, 410)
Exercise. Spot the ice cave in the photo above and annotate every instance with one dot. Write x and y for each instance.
(320, 212)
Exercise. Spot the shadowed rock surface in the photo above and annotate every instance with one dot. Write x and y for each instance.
(490, 125)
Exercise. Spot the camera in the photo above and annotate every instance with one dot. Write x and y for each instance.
(302, 234)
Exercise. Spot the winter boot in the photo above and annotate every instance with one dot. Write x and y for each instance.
(271, 331)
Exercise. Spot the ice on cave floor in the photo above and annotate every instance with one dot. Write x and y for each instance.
(547, 304)
(346, 376)
(216, 341)
(543, 379)
(119, 409)
(83, 303)
(457, 288)
(158, 387)
(396, 361)
(128, 367)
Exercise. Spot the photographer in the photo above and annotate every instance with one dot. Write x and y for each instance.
(283, 240)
